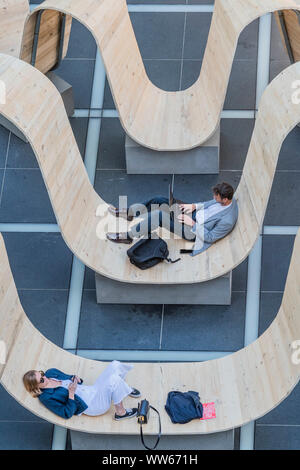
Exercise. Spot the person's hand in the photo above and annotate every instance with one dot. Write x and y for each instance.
(77, 379)
(187, 208)
(185, 219)
(72, 387)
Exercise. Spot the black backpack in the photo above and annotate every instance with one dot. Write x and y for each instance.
(148, 252)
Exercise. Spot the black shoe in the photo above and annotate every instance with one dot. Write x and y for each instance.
(135, 393)
(119, 238)
(130, 413)
(120, 213)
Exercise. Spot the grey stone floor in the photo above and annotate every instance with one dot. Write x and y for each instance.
(172, 46)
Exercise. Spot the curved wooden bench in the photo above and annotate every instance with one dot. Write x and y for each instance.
(155, 118)
(244, 385)
(38, 111)
(13, 14)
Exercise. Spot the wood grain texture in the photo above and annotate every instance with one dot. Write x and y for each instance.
(49, 39)
(155, 118)
(38, 111)
(292, 25)
(13, 14)
(244, 385)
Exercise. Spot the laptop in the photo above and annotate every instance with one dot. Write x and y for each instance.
(177, 210)
(171, 193)
(174, 202)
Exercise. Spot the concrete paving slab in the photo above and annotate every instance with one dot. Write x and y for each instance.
(205, 328)
(200, 160)
(39, 260)
(219, 441)
(118, 326)
(214, 292)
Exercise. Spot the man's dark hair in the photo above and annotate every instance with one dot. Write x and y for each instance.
(224, 190)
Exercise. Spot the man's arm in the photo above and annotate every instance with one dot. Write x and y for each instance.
(187, 208)
(200, 205)
(220, 230)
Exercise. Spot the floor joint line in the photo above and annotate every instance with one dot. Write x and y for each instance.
(184, 8)
(182, 52)
(156, 355)
(161, 325)
(78, 268)
(5, 165)
(254, 262)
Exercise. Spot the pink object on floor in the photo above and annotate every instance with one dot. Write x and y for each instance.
(209, 411)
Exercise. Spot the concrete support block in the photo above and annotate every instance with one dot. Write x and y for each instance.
(214, 292)
(66, 92)
(217, 441)
(12, 128)
(200, 160)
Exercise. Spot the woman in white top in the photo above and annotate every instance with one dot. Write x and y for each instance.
(66, 395)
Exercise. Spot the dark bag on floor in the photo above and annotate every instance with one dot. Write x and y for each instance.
(148, 252)
(182, 407)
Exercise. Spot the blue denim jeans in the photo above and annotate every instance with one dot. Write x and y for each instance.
(157, 214)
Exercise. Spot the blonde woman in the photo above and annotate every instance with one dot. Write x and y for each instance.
(66, 395)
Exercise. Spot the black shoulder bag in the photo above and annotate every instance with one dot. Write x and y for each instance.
(143, 416)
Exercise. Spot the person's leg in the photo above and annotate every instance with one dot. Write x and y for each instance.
(163, 219)
(156, 201)
(110, 385)
(187, 233)
(120, 410)
(140, 209)
(149, 223)
(120, 389)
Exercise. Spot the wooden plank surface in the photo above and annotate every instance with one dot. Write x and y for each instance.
(153, 117)
(12, 20)
(292, 25)
(48, 41)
